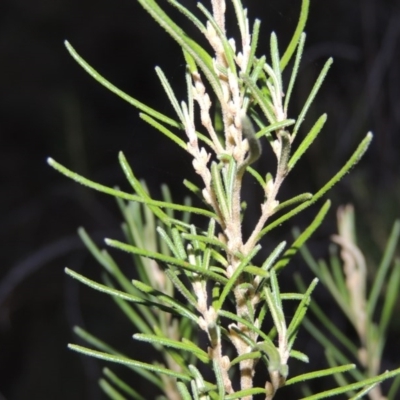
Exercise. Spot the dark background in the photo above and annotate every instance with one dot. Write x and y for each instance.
(50, 107)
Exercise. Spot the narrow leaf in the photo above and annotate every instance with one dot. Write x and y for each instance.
(246, 323)
(254, 42)
(219, 190)
(287, 256)
(128, 362)
(275, 63)
(274, 127)
(165, 259)
(344, 170)
(122, 385)
(319, 374)
(110, 391)
(105, 289)
(305, 5)
(163, 341)
(311, 96)
(301, 309)
(183, 391)
(170, 93)
(202, 58)
(166, 299)
(307, 141)
(117, 193)
(383, 268)
(245, 393)
(295, 70)
(301, 198)
(180, 286)
(100, 345)
(165, 131)
(236, 274)
(91, 71)
(354, 386)
(391, 297)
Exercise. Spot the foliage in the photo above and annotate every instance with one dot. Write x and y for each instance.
(193, 280)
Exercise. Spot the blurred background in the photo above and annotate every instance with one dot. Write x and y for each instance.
(50, 107)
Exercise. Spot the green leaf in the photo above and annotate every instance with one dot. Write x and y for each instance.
(133, 316)
(301, 198)
(246, 323)
(311, 96)
(295, 70)
(299, 356)
(354, 386)
(219, 378)
(170, 93)
(91, 71)
(165, 259)
(164, 341)
(117, 193)
(167, 300)
(319, 374)
(391, 297)
(122, 385)
(244, 393)
(254, 41)
(363, 392)
(268, 348)
(275, 63)
(165, 131)
(301, 311)
(180, 286)
(241, 16)
(98, 344)
(383, 268)
(247, 356)
(305, 5)
(362, 147)
(273, 256)
(143, 325)
(256, 271)
(284, 155)
(330, 347)
(201, 57)
(193, 188)
(255, 148)
(189, 15)
(394, 388)
(256, 175)
(298, 243)
(94, 250)
(110, 391)
(274, 127)
(338, 274)
(139, 189)
(329, 325)
(128, 362)
(105, 289)
(219, 190)
(235, 276)
(169, 243)
(183, 391)
(263, 102)
(179, 244)
(275, 308)
(307, 141)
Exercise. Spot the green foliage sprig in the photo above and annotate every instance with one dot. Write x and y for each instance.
(224, 293)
